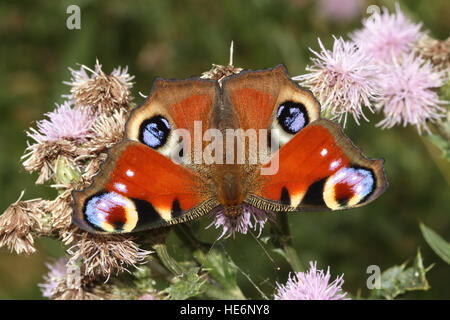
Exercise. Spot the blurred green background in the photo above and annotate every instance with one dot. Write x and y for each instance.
(174, 39)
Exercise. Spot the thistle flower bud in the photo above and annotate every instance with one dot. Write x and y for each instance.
(66, 173)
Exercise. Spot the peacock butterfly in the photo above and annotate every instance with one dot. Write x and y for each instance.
(175, 165)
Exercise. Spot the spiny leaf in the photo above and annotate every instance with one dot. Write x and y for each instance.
(223, 271)
(219, 268)
(398, 279)
(436, 242)
(187, 285)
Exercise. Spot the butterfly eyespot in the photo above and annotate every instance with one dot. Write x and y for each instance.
(154, 131)
(349, 186)
(292, 116)
(110, 212)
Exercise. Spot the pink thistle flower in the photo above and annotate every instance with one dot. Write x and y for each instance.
(343, 80)
(386, 35)
(311, 285)
(64, 123)
(57, 273)
(148, 296)
(250, 218)
(340, 10)
(406, 93)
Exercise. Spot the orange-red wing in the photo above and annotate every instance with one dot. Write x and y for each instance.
(254, 97)
(197, 107)
(138, 188)
(253, 108)
(319, 169)
(186, 104)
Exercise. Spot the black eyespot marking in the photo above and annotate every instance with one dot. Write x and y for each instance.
(285, 197)
(176, 209)
(146, 212)
(292, 116)
(154, 131)
(118, 226)
(314, 194)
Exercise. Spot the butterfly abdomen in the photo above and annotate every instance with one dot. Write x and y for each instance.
(230, 191)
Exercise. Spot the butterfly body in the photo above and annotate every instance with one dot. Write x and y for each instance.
(196, 145)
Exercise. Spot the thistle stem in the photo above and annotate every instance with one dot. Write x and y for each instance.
(167, 260)
(283, 234)
(201, 252)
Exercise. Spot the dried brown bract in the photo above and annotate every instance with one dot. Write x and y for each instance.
(218, 72)
(107, 130)
(16, 224)
(41, 157)
(60, 210)
(62, 292)
(103, 255)
(100, 92)
(438, 51)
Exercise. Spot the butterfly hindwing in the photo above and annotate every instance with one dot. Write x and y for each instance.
(130, 194)
(137, 189)
(319, 169)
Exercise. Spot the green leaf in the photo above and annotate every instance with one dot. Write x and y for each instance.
(187, 285)
(398, 279)
(281, 252)
(223, 271)
(219, 268)
(442, 143)
(436, 242)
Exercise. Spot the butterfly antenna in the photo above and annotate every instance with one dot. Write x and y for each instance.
(247, 276)
(275, 266)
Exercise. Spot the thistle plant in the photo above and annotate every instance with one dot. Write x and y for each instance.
(389, 66)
